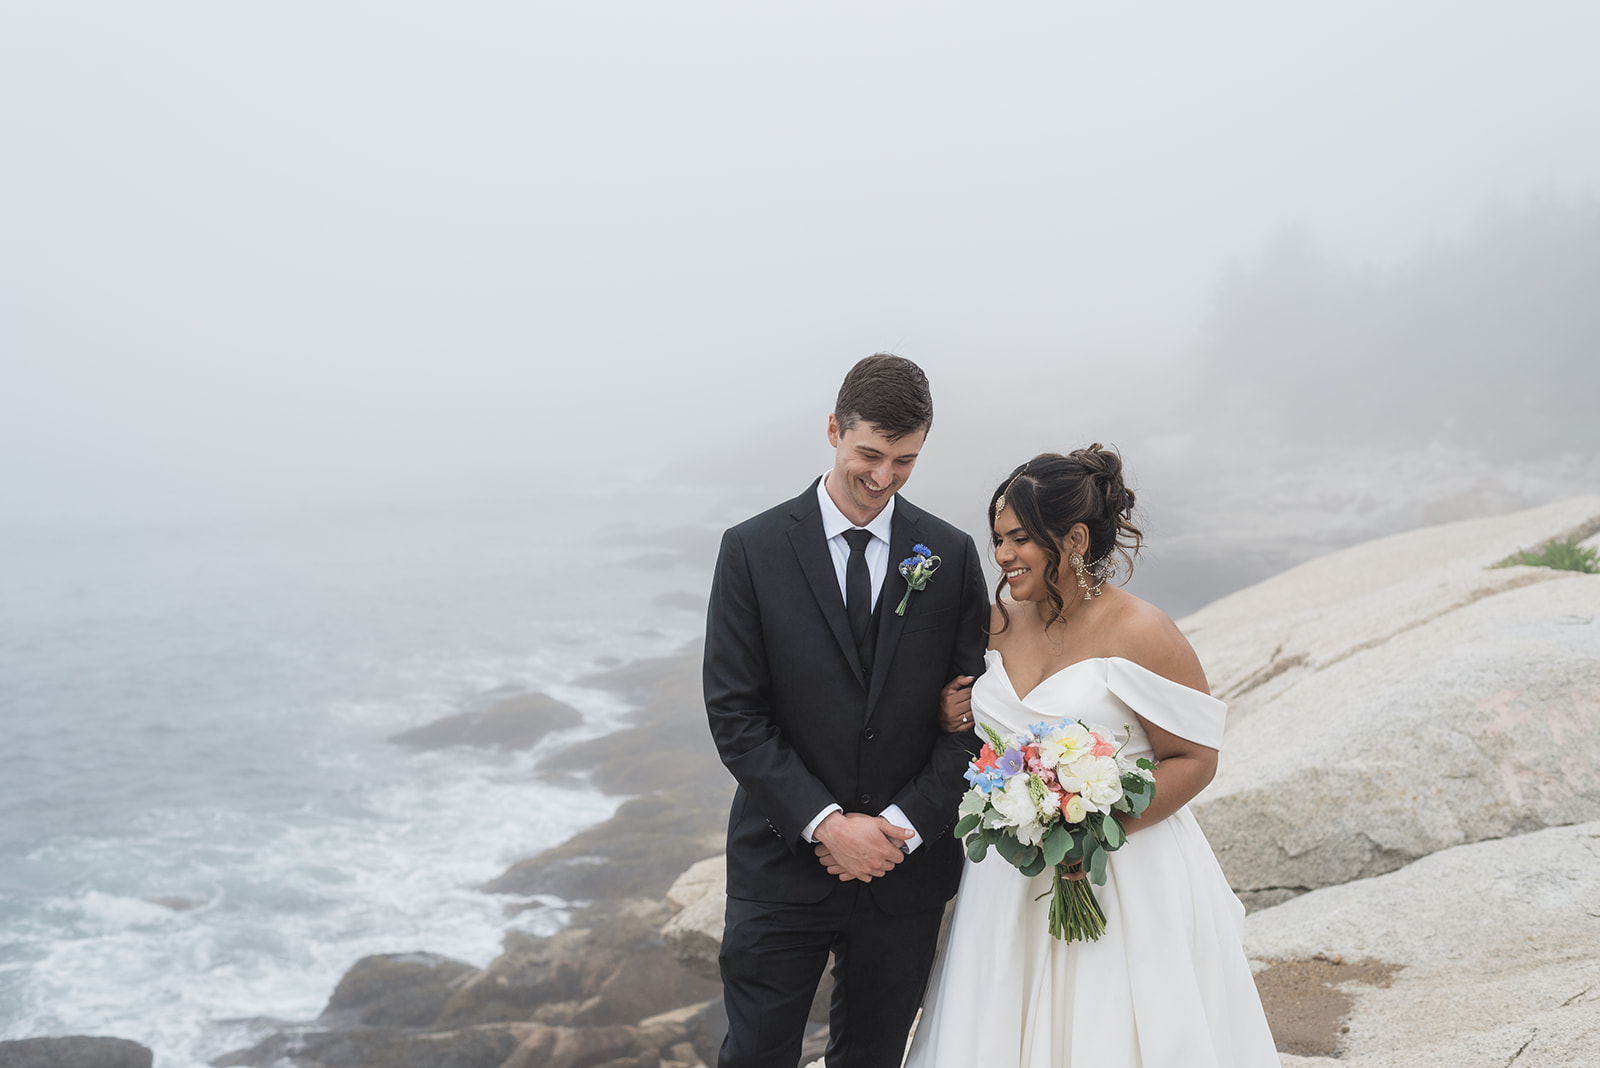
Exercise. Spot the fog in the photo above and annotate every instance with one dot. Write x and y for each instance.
(367, 363)
(260, 257)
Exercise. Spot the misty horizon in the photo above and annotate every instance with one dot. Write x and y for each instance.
(251, 265)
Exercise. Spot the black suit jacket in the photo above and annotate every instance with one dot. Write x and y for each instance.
(800, 727)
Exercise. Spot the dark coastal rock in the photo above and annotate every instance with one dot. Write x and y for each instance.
(646, 982)
(471, 1047)
(613, 970)
(647, 1059)
(667, 1032)
(74, 1051)
(566, 1047)
(510, 723)
(706, 1029)
(530, 972)
(636, 853)
(679, 810)
(571, 1000)
(396, 990)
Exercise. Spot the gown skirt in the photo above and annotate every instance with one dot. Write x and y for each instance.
(1166, 986)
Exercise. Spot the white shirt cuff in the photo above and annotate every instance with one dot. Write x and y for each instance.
(811, 828)
(898, 818)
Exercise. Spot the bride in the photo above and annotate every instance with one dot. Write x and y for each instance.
(1167, 985)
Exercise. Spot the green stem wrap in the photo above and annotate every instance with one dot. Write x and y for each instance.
(1075, 915)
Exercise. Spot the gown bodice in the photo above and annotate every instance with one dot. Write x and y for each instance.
(1103, 691)
(1166, 986)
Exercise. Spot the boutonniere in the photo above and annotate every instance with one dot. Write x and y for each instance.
(917, 569)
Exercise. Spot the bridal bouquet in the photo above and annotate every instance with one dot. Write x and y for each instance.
(1050, 798)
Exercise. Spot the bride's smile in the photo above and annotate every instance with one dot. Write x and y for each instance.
(1022, 560)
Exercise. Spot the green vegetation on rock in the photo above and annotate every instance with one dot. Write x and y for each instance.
(1562, 555)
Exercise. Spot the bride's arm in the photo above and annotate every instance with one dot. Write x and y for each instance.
(955, 705)
(1183, 769)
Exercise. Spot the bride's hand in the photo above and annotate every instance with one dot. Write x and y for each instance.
(955, 705)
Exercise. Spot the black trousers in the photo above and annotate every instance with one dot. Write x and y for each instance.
(772, 959)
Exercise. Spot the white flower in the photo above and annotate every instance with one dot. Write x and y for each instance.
(1018, 810)
(1064, 744)
(1095, 779)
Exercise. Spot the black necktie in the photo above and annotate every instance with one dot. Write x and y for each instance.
(858, 586)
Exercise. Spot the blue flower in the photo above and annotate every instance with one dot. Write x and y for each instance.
(916, 570)
(985, 780)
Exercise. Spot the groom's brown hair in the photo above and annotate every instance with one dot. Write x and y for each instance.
(888, 391)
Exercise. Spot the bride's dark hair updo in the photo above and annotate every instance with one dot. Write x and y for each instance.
(1052, 493)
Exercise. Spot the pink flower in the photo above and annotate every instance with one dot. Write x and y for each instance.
(1102, 747)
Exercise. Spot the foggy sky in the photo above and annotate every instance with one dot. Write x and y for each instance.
(262, 255)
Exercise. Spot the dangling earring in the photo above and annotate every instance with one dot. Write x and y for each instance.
(1075, 559)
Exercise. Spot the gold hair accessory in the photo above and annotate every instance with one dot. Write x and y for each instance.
(1000, 501)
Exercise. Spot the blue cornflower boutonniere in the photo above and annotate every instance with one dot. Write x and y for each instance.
(917, 569)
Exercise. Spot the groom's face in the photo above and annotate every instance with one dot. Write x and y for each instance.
(868, 468)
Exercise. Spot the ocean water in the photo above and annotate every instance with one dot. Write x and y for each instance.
(201, 823)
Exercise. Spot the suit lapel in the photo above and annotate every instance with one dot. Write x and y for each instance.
(903, 534)
(811, 551)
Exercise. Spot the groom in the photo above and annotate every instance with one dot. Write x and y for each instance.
(823, 701)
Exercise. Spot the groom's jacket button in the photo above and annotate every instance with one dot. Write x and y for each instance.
(866, 799)
(870, 733)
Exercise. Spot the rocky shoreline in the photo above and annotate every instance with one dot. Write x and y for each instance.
(603, 991)
(1409, 804)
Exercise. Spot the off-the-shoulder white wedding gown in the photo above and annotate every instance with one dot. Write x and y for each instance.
(1166, 986)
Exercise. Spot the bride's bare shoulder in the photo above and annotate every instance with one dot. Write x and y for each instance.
(1147, 636)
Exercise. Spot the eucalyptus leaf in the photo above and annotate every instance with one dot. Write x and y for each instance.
(977, 849)
(1115, 835)
(967, 824)
(1009, 848)
(1097, 868)
(1056, 844)
(1033, 867)
(972, 802)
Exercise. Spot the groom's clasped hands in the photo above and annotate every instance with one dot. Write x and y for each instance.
(854, 845)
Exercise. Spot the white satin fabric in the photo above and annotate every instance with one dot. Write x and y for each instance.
(1166, 986)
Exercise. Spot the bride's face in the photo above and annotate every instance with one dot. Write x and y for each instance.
(1021, 558)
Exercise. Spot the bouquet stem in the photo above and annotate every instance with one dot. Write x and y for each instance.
(1075, 915)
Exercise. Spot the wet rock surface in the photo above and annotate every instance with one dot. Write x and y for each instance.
(514, 722)
(606, 991)
(74, 1051)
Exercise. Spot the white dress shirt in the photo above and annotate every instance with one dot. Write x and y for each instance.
(834, 524)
